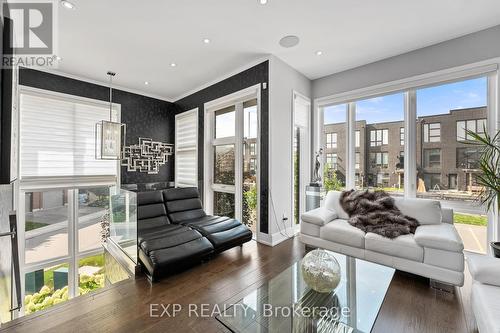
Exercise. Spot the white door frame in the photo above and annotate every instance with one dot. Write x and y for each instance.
(305, 157)
(237, 99)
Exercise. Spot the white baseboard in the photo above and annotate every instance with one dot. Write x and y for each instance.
(276, 238)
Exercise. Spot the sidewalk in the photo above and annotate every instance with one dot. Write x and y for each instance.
(473, 236)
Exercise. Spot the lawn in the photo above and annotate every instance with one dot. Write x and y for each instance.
(30, 225)
(480, 220)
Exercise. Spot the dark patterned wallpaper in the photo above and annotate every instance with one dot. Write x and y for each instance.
(252, 76)
(145, 117)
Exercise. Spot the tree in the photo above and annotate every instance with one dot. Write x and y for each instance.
(330, 179)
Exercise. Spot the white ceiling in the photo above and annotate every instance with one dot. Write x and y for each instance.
(139, 39)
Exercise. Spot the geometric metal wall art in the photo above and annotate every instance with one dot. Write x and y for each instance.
(147, 156)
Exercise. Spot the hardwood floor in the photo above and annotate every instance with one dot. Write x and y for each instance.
(410, 305)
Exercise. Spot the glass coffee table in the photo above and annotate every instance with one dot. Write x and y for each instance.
(286, 304)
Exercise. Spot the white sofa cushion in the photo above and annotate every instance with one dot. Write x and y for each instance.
(445, 259)
(426, 211)
(332, 202)
(403, 246)
(340, 231)
(442, 236)
(484, 269)
(309, 229)
(319, 216)
(485, 301)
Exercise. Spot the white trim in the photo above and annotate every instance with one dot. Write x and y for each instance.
(179, 116)
(351, 146)
(104, 84)
(410, 144)
(423, 80)
(236, 98)
(493, 232)
(224, 77)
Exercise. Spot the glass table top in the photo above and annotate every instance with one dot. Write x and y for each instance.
(286, 304)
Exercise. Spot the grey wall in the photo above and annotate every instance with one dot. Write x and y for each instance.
(464, 50)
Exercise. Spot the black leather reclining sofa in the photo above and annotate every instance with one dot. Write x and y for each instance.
(174, 232)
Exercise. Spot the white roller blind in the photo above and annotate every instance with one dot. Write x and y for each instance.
(186, 152)
(58, 137)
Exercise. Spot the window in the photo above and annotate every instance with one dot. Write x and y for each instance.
(331, 140)
(432, 158)
(252, 149)
(186, 152)
(432, 181)
(468, 157)
(57, 136)
(379, 160)
(224, 172)
(452, 181)
(379, 137)
(402, 136)
(225, 120)
(473, 125)
(357, 160)
(432, 132)
(331, 161)
(383, 179)
(357, 139)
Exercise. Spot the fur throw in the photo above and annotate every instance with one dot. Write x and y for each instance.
(375, 211)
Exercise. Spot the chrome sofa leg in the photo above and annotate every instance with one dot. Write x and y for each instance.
(442, 286)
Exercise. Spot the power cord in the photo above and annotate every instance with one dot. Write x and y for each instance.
(283, 232)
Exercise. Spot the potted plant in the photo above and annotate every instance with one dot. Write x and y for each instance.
(489, 178)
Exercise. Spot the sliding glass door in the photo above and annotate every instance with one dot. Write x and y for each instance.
(233, 156)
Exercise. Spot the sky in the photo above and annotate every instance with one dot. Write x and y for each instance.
(430, 101)
(225, 124)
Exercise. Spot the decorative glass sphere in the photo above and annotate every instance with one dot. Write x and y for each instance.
(321, 271)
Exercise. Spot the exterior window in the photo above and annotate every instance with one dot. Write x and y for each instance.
(331, 161)
(468, 158)
(432, 132)
(379, 160)
(331, 140)
(358, 160)
(402, 136)
(432, 158)
(383, 179)
(432, 181)
(379, 137)
(452, 181)
(357, 139)
(474, 125)
(252, 164)
(252, 149)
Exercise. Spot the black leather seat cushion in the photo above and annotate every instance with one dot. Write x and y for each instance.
(163, 247)
(184, 207)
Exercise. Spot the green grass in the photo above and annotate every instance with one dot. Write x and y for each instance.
(30, 225)
(480, 220)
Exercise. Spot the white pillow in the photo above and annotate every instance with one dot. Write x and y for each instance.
(319, 216)
(332, 202)
(426, 211)
(484, 269)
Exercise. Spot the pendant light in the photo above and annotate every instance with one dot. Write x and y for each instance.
(110, 135)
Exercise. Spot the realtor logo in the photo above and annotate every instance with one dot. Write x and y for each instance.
(30, 30)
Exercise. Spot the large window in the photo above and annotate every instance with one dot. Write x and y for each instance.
(331, 161)
(379, 137)
(64, 194)
(186, 152)
(440, 164)
(331, 140)
(432, 132)
(381, 119)
(432, 158)
(474, 125)
(446, 166)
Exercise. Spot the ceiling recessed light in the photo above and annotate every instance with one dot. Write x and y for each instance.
(318, 53)
(173, 64)
(146, 82)
(263, 2)
(289, 41)
(206, 40)
(67, 4)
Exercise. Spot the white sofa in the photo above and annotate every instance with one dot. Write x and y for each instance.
(435, 251)
(485, 294)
